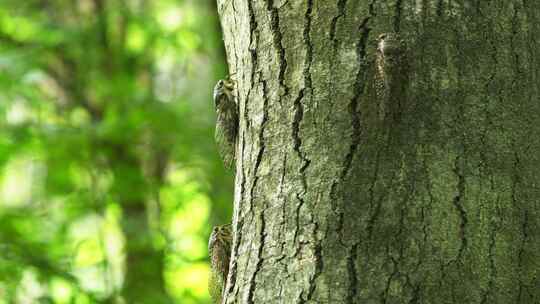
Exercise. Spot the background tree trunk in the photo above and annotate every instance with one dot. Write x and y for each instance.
(336, 203)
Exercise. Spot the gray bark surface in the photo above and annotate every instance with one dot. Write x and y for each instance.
(340, 198)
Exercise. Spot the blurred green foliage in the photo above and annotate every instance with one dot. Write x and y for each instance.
(109, 178)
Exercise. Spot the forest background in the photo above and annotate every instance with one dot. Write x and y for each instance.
(110, 180)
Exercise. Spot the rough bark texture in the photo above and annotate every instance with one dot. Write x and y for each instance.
(436, 201)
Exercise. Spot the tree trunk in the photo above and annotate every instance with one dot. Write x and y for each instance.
(345, 195)
(144, 280)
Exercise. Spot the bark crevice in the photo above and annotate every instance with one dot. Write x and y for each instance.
(277, 38)
(341, 5)
(299, 106)
(358, 90)
(397, 15)
(458, 204)
(492, 267)
(395, 272)
(260, 259)
(353, 275)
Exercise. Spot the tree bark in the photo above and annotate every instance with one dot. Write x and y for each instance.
(342, 197)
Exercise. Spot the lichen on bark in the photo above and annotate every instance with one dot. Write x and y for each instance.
(334, 204)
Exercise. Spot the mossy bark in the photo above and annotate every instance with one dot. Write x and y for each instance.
(336, 203)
